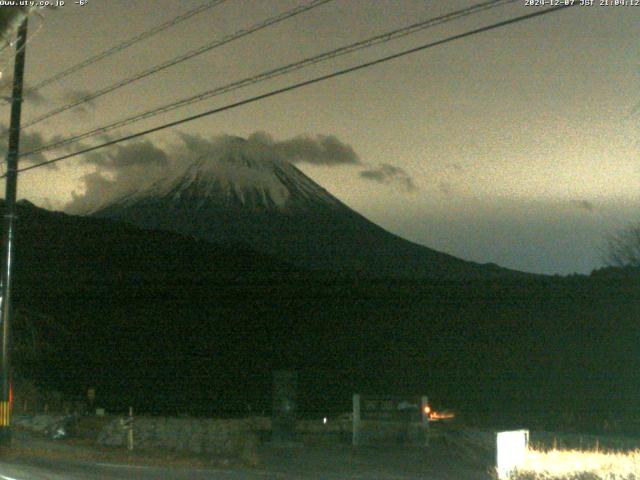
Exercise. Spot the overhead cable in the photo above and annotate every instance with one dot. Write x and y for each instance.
(126, 44)
(298, 85)
(181, 58)
(270, 74)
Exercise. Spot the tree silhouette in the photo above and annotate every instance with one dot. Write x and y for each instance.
(623, 247)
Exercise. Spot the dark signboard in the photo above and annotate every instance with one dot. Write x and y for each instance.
(390, 408)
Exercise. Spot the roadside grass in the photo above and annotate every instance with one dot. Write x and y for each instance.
(142, 458)
(29, 446)
(541, 464)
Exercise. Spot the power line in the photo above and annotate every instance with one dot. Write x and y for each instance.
(118, 48)
(270, 74)
(305, 83)
(181, 58)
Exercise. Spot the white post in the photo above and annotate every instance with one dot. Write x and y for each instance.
(356, 420)
(511, 450)
(130, 432)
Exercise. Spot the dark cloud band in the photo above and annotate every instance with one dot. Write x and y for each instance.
(389, 175)
(126, 168)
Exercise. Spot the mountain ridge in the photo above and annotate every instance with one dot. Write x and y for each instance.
(168, 323)
(242, 193)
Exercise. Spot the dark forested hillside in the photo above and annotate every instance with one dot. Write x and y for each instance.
(168, 323)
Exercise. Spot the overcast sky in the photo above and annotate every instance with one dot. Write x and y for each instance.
(518, 146)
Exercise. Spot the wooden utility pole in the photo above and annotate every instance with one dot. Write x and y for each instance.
(13, 151)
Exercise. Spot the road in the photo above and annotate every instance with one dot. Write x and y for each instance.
(330, 463)
(318, 462)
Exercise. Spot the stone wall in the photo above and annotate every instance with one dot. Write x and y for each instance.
(228, 437)
(197, 435)
(379, 433)
(43, 423)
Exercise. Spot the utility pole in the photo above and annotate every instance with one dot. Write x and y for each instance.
(9, 220)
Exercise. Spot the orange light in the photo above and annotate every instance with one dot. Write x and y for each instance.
(427, 409)
(446, 415)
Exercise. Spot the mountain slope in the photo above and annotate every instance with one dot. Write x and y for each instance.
(241, 193)
(56, 252)
(168, 323)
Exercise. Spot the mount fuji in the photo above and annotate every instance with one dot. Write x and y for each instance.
(241, 193)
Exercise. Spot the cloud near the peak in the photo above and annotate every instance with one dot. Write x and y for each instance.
(77, 97)
(29, 141)
(97, 190)
(584, 205)
(134, 165)
(141, 153)
(318, 150)
(119, 170)
(389, 175)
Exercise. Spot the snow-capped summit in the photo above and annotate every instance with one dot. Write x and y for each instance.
(237, 174)
(240, 192)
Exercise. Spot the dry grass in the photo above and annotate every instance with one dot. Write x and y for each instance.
(28, 446)
(579, 465)
(144, 458)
